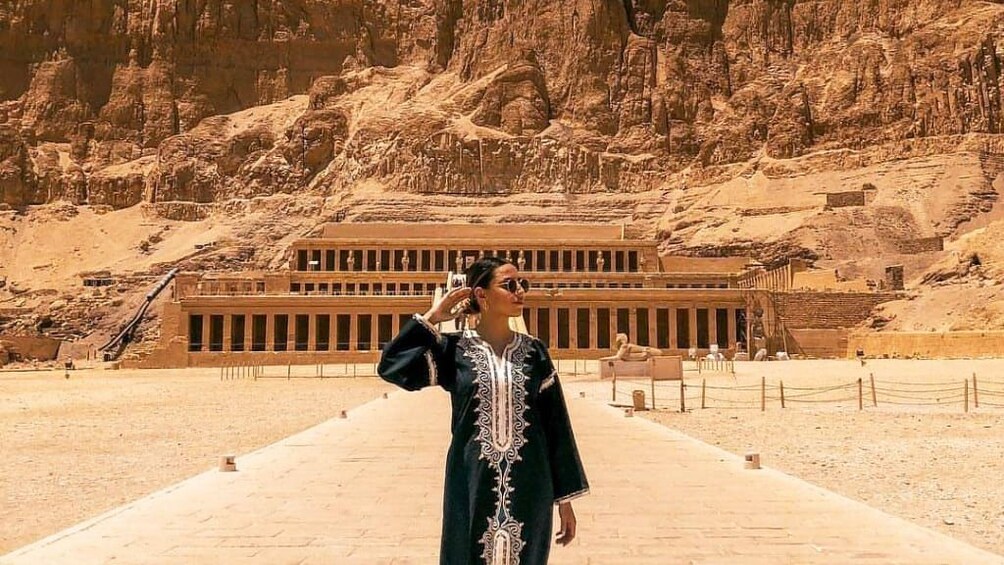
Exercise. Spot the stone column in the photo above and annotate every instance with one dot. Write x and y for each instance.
(332, 331)
(573, 329)
(205, 331)
(227, 331)
(673, 335)
(553, 338)
(269, 332)
(395, 323)
(732, 327)
(692, 311)
(374, 333)
(593, 328)
(366, 260)
(353, 332)
(248, 331)
(632, 324)
(653, 326)
(312, 332)
(713, 326)
(612, 318)
(291, 332)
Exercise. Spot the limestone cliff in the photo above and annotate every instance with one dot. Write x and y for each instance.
(712, 125)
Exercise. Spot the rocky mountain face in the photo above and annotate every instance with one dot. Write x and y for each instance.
(479, 97)
(712, 125)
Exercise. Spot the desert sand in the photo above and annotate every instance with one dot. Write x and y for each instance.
(932, 464)
(75, 448)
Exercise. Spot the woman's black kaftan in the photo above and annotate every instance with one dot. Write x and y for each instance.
(513, 455)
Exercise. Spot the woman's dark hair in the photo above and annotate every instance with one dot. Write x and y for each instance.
(480, 275)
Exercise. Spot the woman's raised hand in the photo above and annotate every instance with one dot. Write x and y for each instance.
(446, 308)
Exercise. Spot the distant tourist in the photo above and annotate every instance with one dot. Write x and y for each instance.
(513, 454)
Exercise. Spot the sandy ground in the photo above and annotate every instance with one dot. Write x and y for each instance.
(75, 448)
(931, 463)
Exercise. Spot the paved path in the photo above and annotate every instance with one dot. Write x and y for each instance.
(367, 490)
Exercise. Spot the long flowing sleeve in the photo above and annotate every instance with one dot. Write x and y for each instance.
(567, 474)
(416, 357)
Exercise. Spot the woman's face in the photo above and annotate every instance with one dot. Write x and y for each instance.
(499, 297)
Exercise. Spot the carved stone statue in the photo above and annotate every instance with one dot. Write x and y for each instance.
(521, 262)
(600, 261)
(405, 261)
(632, 352)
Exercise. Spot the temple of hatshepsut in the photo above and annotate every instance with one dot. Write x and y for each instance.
(347, 290)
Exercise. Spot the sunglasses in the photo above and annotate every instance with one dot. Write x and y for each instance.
(513, 285)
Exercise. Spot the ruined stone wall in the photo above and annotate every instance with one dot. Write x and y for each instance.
(820, 344)
(930, 345)
(827, 310)
(921, 245)
(844, 199)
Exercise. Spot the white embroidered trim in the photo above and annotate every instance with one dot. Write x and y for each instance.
(433, 374)
(501, 422)
(573, 496)
(548, 382)
(435, 332)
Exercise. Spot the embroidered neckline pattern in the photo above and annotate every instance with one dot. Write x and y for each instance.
(501, 422)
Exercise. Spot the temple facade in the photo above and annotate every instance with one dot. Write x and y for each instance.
(347, 290)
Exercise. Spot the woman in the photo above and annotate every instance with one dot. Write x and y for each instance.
(513, 455)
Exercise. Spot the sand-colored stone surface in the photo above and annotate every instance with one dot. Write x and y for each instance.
(933, 464)
(75, 448)
(367, 490)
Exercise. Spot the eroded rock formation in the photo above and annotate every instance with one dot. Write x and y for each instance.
(712, 125)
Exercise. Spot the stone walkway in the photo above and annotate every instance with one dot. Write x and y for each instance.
(367, 490)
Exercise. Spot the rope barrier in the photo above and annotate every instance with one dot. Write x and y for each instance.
(820, 401)
(752, 403)
(804, 394)
(908, 383)
(823, 389)
(891, 392)
(883, 393)
(938, 403)
(891, 395)
(907, 391)
(745, 387)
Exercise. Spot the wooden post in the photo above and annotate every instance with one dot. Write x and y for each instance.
(782, 394)
(289, 371)
(683, 397)
(874, 398)
(861, 394)
(703, 384)
(965, 403)
(613, 383)
(653, 391)
(976, 392)
(763, 394)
